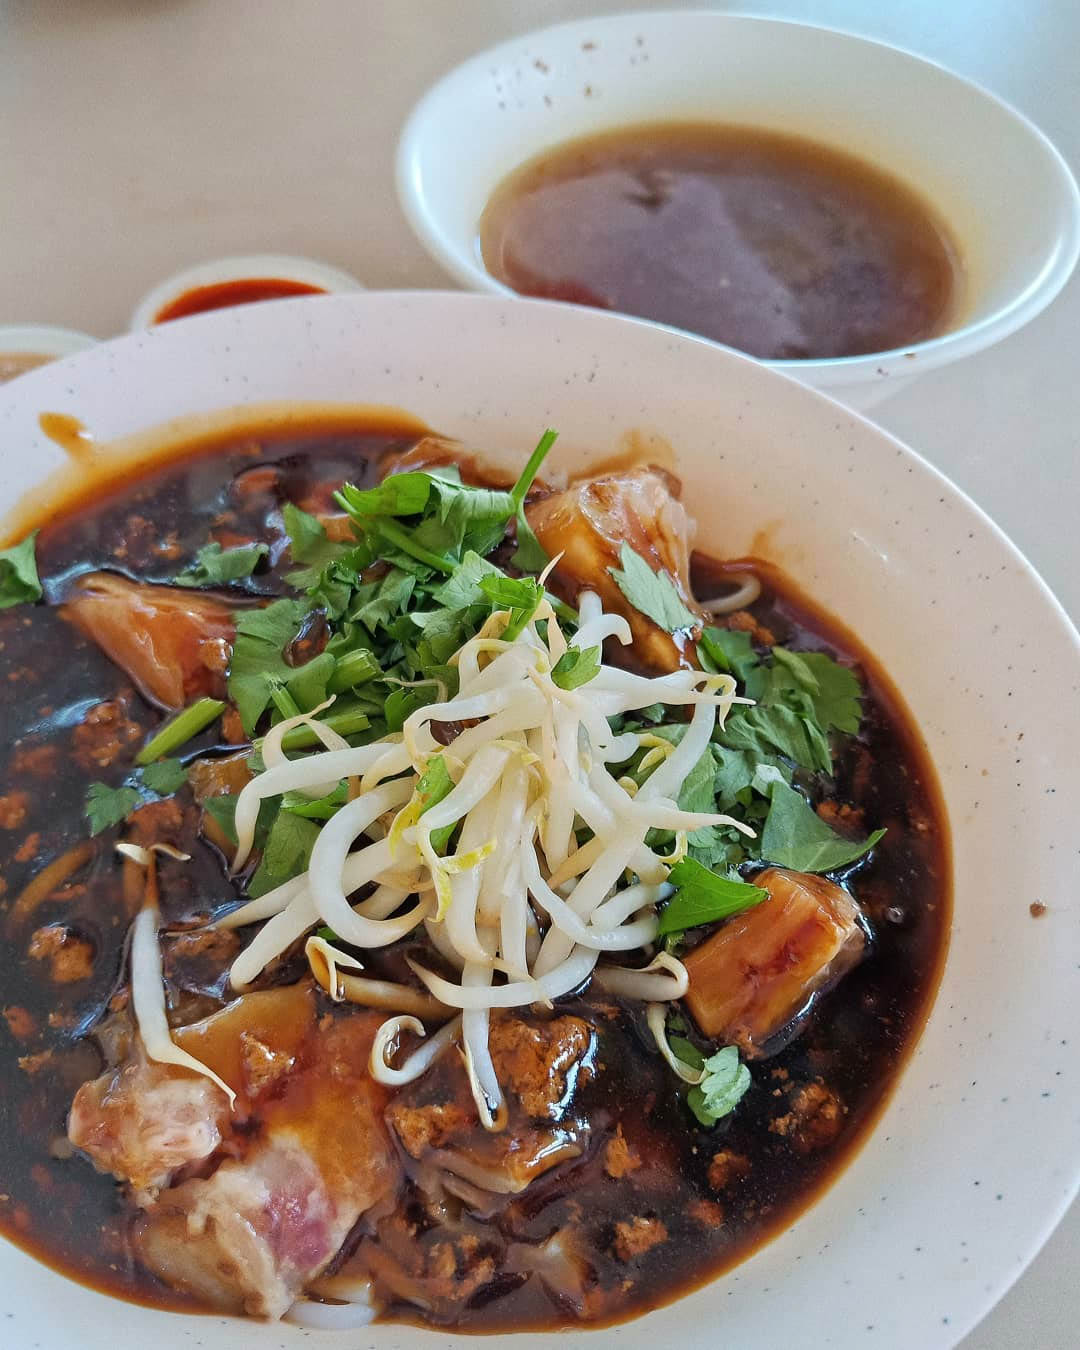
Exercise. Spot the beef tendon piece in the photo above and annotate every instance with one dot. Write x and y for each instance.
(589, 523)
(541, 1064)
(751, 979)
(174, 644)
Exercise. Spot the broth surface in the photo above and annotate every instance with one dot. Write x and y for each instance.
(58, 1207)
(773, 244)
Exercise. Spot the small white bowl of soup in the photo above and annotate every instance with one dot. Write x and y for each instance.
(25, 346)
(242, 280)
(848, 213)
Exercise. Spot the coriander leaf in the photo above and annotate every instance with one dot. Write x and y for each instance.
(735, 771)
(836, 699)
(795, 836)
(222, 811)
(729, 650)
(276, 624)
(402, 703)
(401, 494)
(687, 1051)
(462, 587)
(19, 582)
(165, 777)
(511, 592)
(259, 655)
(434, 783)
(319, 808)
(698, 791)
(767, 729)
(723, 1087)
(308, 682)
(576, 667)
(529, 556)
(703, 897)
(377, 602)
(285, 854)
(798, 667)
(466, 518)
(107, 806)
(307, 537)
(215, 566)
(652, 593)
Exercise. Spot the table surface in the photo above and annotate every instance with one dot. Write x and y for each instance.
(140, 136)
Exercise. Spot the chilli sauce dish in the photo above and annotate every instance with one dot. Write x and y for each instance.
(243, 280)
(807, 196)
(471, 883)
(481, 911)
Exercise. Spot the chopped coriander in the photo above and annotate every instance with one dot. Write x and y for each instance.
(703, 897)
(215, 566)
(259, 655)
(319, 808)
(309, 683)
(286, 852)
(462, 586)
(652, 593)
(19, 583)
(795, 836)
(576, 667)
(107, 806)
(165, 777)
(728, 650)
(180, 729)
(725, 1084)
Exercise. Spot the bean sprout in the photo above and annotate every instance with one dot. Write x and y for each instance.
(517, 910)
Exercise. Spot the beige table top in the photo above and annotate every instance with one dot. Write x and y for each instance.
(139, 136)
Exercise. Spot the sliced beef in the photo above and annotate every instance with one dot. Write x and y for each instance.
(175, 644)
(143, 1122)
(280, 1182)
(588, 524)
(752, 978)
(252, 1236)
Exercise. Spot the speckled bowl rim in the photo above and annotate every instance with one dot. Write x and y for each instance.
(940, 1211)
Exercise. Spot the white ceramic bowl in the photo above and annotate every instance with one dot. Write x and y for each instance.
(41, 339)
(242, 267)
(977, 1155)
(1005, 190)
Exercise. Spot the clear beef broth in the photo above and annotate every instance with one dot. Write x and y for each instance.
(652, 1204)
(774, 244)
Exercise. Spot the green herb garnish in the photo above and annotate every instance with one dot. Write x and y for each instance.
(180, 729)
(19, 583)
(652, 593)
(215, 566)
(725, 1084)
(795, 836)
(576, 667)
(703, 897)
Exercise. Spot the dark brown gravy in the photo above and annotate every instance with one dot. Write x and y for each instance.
(58, 1208)
(223, 294)
(777, 245)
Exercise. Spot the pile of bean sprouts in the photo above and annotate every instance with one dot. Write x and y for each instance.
(520, 909)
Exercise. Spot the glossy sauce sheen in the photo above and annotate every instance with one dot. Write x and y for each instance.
(773, 244)
(79, 1221)
(223, 294)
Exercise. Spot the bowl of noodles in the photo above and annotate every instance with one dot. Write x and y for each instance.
(512, 821)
